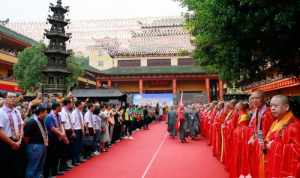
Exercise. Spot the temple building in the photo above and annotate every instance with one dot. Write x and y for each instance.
(156, 59)
(11, 43)
(276, 83)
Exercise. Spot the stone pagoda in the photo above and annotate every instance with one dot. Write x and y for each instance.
(56, 70)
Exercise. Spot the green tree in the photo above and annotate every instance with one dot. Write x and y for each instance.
(242, 39)
(31, 62)
(75, 64)
(28, 69)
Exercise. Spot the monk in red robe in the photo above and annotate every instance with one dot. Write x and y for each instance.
(283, 141)
(239, 155)
(226, 133)
(204, 121)
(259, 126)
(215, 133)
(220, 133)
(290, 165)
(211, 118)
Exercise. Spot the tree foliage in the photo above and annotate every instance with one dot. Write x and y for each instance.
(243, 38)
(28, 70)
(75, 64)
(31, 62)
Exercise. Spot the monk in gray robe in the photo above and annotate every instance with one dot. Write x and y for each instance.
(172, 122)
(194, 123)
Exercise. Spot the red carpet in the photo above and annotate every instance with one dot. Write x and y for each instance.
(152, 155)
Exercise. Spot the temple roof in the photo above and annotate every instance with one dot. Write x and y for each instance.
(84, 31)
(166, 22)
(155, 70)
(150, 52)
(160, 32)
(17, 36)
(91, 69)
(160, 37)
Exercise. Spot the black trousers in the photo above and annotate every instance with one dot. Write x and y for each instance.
(78, 145)
(12, 162)
(117, 132)
(52, 160)
(128, 128)
(71, 147)
(88, 143)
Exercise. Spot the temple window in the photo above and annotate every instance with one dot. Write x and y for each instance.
(159, 62)
(186, 62)
(129, 63)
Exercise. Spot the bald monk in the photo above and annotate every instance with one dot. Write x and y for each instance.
(259, 126)
(283, 141)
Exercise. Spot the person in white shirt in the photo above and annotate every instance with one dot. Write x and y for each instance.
(69, 129)
(88, 120)
(89, 131)
(11, 134)
(78, 122)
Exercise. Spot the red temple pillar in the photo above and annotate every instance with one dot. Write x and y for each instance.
(174, 86)
(109, 83)
(221, 89)
(141, 88)
(98, 83)
(207, 86)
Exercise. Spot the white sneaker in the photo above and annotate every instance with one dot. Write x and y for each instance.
(130, 138)
(125, 137)
(96, 153)
(137, 129)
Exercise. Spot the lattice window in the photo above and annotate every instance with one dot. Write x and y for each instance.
(129, 63)
(159, 62)
(186, 62)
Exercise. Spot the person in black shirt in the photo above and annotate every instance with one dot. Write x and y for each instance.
(36, 140)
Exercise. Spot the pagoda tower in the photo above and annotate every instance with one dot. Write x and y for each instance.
(56, 70)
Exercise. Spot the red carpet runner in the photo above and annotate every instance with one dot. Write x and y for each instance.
(152, 154)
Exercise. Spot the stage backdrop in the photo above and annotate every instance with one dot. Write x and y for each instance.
(153, 99)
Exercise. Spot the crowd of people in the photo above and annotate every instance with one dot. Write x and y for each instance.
(184, 122)
(258, 138)
(46, 138)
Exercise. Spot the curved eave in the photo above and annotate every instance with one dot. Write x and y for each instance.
(167, 70)
(51, 35)
(57, 52)
(52, 20)
(58, 8)
(57, 70)
(16, 37)
(275, 85)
